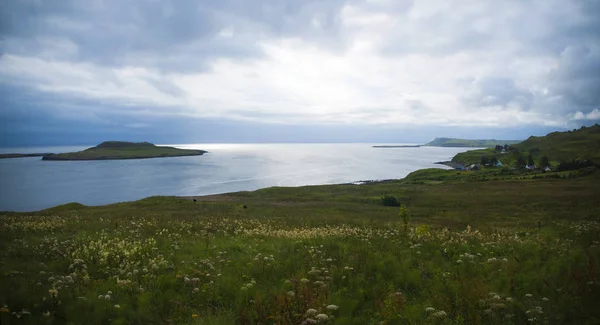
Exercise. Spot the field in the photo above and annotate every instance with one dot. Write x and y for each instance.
(466, 250)
(124, 150)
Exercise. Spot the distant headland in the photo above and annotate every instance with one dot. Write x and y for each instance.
(461, 143)
(112, 150)
(399, 146)
(22, 155)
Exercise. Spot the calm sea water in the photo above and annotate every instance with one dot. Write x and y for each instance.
(29, 184)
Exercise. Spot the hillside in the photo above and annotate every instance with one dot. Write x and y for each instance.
(453, 142)
(110, 150)
(469, 252)
(580, 144)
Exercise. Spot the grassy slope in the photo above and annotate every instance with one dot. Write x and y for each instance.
(583, 143)
(453, 142)
(580, 144)
(393, 276)
(214, 262)
(124, 150)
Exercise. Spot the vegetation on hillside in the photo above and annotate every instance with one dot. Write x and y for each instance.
(453, 142)
(501, 251)
(580, 144)
(573, 149)
(124, 150)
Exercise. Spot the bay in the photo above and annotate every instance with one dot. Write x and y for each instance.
(30, 184)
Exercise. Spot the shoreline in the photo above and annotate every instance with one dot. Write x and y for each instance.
(52, 158)
(450, 164)
(23, 155)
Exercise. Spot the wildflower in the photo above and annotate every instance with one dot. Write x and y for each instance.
(429, 309)
(304, 280)
(545, 299)
(440, 314)
(528, 295)
(196, 290)
(46, 314)
(322, 317)
(194, 315)
(107, 297)
(53, 293)
(291, 294)
(4, 309)
(333, 307)
(459, 261)
(311, 312)
(117, 306)
(101, 297)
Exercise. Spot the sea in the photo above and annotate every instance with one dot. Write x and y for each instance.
(30, 184)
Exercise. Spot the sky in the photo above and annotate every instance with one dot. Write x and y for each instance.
(189, 71)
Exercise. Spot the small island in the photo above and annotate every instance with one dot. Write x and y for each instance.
(112, 150)
(22, 155)
(399, 146)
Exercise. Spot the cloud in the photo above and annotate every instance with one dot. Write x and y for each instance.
(333, 62)
(593, 115)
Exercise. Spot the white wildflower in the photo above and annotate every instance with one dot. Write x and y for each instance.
(333, 307)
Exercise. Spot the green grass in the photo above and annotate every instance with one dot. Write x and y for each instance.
(124, 150)
(504, 249)
(453, 142)
(583, 143)
(578, 144)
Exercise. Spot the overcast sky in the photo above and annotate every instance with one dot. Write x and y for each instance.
(270, 71)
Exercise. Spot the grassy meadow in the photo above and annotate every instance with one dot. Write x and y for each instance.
(466, 250)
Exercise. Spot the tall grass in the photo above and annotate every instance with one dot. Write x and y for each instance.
(226, 269)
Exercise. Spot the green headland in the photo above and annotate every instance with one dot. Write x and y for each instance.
(500, 245)
(110, 150)
(453, 142)
(22, 155)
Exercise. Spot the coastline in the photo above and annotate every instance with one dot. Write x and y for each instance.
(450, 164)
(54, 158)
(23, 155)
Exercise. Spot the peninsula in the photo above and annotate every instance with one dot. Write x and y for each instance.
(399, 146)
(453, 142)
(22, 155)
(112, 150)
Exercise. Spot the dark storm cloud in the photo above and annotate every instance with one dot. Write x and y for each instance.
(498, 91)
(577, 78)
(169, 35)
